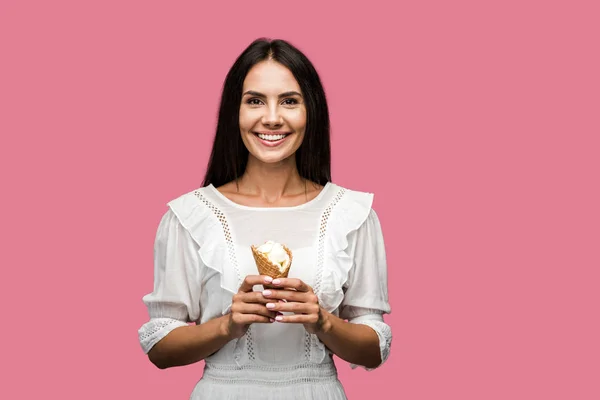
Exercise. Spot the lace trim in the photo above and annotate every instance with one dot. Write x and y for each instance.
(227, 232)
(156, 329)
(231, 249)
(384, 332)
(307, 345)
(270, 367)
(311, 340)
(264, 374)
(271, 382)
(322, 233)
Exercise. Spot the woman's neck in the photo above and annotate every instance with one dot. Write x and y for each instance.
(271, 181)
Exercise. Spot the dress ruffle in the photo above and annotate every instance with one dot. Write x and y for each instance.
(346, 217)
(198, 218)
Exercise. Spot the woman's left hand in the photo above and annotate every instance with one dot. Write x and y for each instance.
(299, 298)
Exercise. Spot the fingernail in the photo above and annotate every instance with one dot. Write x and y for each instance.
(268, 279)
(270, 305)
(279, 318)
(266, 292)
(271, 319)
(276, 282)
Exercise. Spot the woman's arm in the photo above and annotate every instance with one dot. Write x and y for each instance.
(189, 344)
(355, 343)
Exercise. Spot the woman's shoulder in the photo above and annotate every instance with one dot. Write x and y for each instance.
(189, 208)
(353, 189)
(361, 197)
(349, 208)
(187, 199)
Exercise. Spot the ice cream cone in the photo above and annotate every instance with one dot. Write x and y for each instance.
(266, 267)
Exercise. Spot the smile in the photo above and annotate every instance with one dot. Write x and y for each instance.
(271, 139)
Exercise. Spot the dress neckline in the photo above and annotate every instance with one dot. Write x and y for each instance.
(232, 203)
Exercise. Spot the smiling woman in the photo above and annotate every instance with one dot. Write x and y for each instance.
(272, 113)
(268, 186)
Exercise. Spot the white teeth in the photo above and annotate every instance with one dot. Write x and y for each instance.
(271, 138)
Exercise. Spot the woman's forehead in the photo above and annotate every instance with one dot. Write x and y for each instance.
(270, 77)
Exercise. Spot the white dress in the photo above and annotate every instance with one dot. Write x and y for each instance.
(202, 254)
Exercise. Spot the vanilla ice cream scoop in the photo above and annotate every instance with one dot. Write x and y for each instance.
(276, 254)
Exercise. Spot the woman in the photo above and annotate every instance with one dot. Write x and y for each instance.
(268, 179)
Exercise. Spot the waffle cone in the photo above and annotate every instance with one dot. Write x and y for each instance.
(266, 267)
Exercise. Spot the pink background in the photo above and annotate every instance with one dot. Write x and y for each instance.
(475, 124)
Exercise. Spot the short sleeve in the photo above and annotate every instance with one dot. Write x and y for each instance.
(175, 299)
(366, 290)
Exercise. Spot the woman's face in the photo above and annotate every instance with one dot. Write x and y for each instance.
(272, 112)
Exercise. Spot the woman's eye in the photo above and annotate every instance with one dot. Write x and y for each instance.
(254, 102)
(289, 102)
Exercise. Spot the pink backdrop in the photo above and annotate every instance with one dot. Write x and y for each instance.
(475, 125)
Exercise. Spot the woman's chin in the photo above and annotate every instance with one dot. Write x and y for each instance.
(273, 159)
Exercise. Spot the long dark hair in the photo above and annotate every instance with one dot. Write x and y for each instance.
(229, 155)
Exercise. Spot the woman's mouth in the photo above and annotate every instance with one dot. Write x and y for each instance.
(271, 139)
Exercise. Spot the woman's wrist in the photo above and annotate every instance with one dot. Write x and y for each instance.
(327, 321)
(224, 325)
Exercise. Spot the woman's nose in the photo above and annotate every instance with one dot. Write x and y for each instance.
(272, 117)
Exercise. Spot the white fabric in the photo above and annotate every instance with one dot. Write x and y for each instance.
(202, 253)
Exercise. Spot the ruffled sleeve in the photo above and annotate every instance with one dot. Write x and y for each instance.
(175, 299)
(365, 291)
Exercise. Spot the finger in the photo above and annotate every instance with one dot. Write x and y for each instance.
(250, 297)
(298, 319)
(300, 297)
(247, 319)
(298, 308)
(252, 280)
(292, 283)
(249, 308)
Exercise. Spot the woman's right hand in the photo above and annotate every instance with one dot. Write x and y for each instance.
(248, 307)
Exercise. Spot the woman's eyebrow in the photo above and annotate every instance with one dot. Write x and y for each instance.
(285, 94)
(290, 93)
